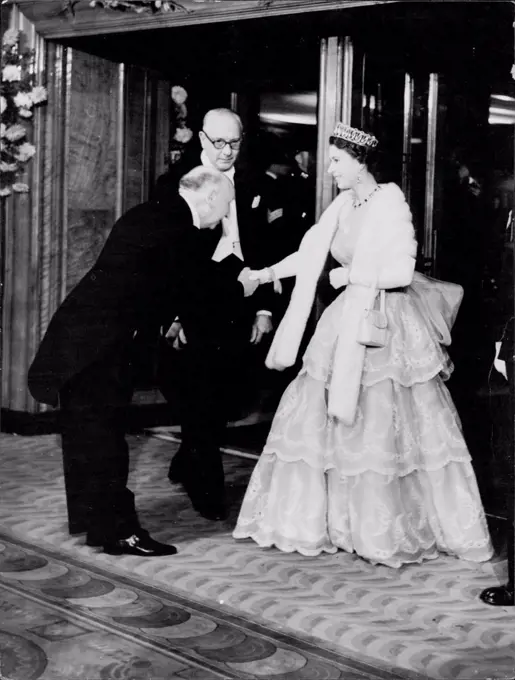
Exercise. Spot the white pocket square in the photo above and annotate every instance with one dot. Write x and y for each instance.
(256, 201)
(273, 215)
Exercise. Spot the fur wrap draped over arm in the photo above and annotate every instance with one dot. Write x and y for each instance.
(306, 264)
(384, 258)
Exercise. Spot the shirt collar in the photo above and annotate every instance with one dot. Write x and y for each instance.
(205, 161)
(186, 195)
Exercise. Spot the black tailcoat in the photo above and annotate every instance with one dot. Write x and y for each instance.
(152, 267)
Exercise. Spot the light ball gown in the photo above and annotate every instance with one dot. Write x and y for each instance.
(397, 486)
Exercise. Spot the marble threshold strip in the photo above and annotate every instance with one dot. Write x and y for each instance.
(172, 438)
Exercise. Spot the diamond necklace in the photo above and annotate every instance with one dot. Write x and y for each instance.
(360, 203)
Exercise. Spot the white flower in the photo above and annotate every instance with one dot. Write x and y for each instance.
(20, 187)
(179, 94)
(11, 72)
(5, 191)
(38, 94)
(25, 113)
(183, 135)
(25, 152)
(23, 100)
(8, 167)
(15, 132)
(3, 104)
(10, 37)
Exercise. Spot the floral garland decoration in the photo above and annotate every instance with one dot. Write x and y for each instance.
(18, 96)
(138, 6)
(183, 133)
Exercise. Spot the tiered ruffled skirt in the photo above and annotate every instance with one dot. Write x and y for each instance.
(396, 487)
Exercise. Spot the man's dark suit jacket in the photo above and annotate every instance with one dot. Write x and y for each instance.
(151, 268)
(258, 246)
(507, 311)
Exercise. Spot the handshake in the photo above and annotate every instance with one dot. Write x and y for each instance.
(251, 279)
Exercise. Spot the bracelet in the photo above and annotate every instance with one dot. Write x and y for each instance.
(269, 274)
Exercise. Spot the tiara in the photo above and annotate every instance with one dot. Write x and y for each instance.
(355, 136)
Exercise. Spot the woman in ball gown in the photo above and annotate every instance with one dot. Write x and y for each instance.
(366, 452)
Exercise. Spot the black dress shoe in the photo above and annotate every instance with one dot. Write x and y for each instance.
(139, 544)
(96, 540)
(216, 512)
(499, 596)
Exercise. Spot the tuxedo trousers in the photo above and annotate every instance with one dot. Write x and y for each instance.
(203, 381)
(205, 388)
(93, 419)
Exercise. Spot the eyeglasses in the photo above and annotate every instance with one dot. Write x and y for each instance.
(220, 144)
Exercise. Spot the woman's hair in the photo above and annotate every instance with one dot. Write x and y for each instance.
(363, 154)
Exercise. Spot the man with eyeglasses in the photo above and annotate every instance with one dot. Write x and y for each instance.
(240, 241)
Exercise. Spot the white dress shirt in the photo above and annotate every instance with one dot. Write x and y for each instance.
(229, 243)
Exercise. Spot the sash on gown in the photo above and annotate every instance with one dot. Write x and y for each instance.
(438, 302)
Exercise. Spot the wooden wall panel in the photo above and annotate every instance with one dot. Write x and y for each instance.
(19, 235)
(162, 127)
(92, 161)
(136, 136)
(54, 219)
(147, 133)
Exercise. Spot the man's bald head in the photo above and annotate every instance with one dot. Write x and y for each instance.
(219, 126)
(216, 117)
(210, 191)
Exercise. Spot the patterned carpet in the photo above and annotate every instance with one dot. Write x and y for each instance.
(66, 620)
(220, 608)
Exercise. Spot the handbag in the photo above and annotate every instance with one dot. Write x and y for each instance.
(373, 327)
